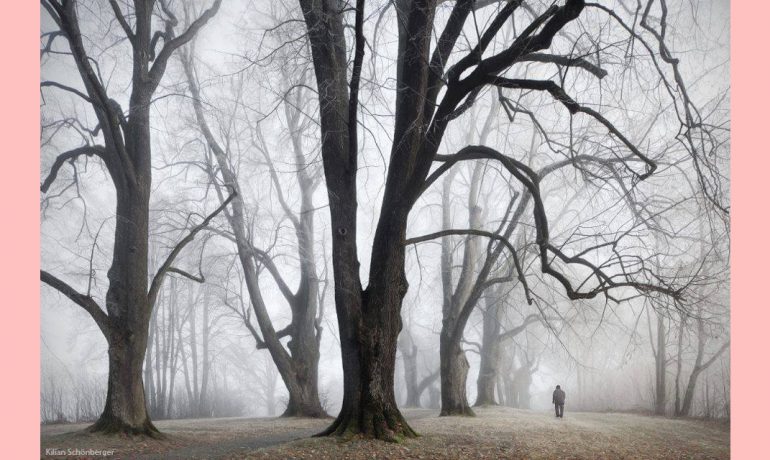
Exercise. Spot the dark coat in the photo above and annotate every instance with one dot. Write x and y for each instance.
(558, 396)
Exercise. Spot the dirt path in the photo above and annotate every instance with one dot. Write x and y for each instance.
(495, 433)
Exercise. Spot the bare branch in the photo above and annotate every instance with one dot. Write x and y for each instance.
(285, 332)
(179, 271)
(531, 181)
(157, 281)
(122, 20)
(560, 95)
(566, 61)
(82, 300)
(88, 150)
(520, 328)
(69, 89)
(171, 44)
(485, 233)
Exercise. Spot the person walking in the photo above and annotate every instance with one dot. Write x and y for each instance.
(558, 401)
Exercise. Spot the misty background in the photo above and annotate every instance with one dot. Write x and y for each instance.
(254, 79)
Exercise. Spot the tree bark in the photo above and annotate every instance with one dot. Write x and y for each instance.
(127, 156)
(454, 374)
(128, 308)
(490, 352)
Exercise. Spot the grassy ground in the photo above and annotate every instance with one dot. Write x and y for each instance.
(495, 433)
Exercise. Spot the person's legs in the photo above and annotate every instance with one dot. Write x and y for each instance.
(560, 410)
(556, 408)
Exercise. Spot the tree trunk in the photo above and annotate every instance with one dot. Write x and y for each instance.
(303, 390)
(369, 344)
(677, 377)
(458, 301)
(454, 373)
(699, 365)
(371, 410)
(125, 410)
(203, 402)
(660, 368)
(490, 353)
(409, 357)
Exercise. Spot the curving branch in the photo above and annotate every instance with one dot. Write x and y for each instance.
(171, 43)
(179, 271)
(560, 95)
(285, 332)
(504, 241)
(520, 328)
(157, 281)
(426, 382)
(86, 302)
(531, 180)
(566, 61)
(71, 155)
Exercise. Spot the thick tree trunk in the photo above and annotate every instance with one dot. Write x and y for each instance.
(522, 381)
(369, 360)
(454, 373)
(127, 156)
(371, 410)
(125, 410)
(303, 387)
(304, 344)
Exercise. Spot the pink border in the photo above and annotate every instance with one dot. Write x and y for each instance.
(750, 164)
(19, 231)
(19, 337)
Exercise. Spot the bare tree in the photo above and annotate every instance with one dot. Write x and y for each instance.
(298, 366)
(701, 364)
(126, 153)
(429, 95)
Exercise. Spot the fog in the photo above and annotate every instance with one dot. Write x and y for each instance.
(237, 108)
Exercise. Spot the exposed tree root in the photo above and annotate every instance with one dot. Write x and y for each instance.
(108, 424)
(385, 425)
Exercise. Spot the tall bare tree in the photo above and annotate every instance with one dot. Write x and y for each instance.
(298, 366)
(127, 155)
(430, 94)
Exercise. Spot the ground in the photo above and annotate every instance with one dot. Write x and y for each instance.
(496, 433)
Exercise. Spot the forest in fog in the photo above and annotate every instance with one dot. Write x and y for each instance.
(344, 208)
